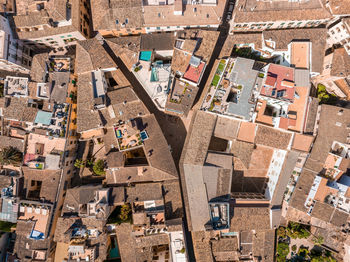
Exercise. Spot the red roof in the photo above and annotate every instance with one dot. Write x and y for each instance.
(279, 82)
(285, 123)
(194, 73)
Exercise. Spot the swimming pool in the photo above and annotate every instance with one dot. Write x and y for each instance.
(114, 252)
(145, 55)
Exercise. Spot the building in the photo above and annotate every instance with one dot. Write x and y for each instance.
(135, 17)
(15, 56)
(252, 15)
(52, 24)
(283, 98)
(335, 75)
(192, 52)
(321, 192)
(339, 34)
(80, 230)
(233, 87)
(232, 170)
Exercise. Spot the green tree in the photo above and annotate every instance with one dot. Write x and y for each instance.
(303, 252)
(99, 167)
(11, 156)
(282, 251)
(6, 226)
(79, 163)
(281, 232)
(324, 97)
(296, 230)
(294, 248)
(125, 212)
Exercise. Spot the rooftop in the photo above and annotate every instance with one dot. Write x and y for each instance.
(46, 19)
(300, 52)
(279, 82)
(317, 37)
(163, 15)
(39, 215)
(245, 76)
(90, 55)
(249, 10)
(194, 73)
(116, 14)
(16, 86)
(340, 63)
(339, 7)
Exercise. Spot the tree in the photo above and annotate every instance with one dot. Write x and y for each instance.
(282, 251)
(79, 163)
(281, 232)
(296, 230)
(6, 226)
(99, 167)
(324, 97)
(11, 156)
(303, 252)
(125, 212)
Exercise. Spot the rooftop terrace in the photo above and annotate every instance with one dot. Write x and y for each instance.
(16, 86)
(37, 213)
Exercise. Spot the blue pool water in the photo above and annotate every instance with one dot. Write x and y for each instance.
(145, 55)
(154, 75)
(114, 252)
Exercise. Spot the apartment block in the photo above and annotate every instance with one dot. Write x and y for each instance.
(52, 23)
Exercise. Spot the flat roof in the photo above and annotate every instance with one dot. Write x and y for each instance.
(246, 77)
(247, 132)
(300, 54)
(302, 142)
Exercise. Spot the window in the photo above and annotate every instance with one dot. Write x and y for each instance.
(126, 21)
(117, 22)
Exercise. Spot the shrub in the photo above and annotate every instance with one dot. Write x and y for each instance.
(294, 248)
(99, 167)
(125, 212)
(136, 69)
(296, 230)
(6, 226)
(79, 163)
(282, 251)
(324, 97)
(10, 156)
